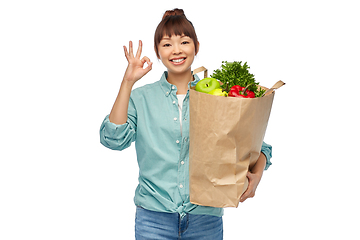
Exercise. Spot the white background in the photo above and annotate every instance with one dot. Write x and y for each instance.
(61, 64)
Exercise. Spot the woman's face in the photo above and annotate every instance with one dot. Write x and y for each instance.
(177, 53)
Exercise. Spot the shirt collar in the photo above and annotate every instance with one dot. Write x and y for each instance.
(168, 88)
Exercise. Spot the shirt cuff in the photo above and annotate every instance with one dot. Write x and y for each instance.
(114, 136)
(266, 149)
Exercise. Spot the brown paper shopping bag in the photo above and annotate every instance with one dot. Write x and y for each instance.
(226, 135)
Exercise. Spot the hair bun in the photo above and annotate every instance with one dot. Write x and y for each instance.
(175, 12)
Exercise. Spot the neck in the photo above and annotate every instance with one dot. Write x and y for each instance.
(180, 80)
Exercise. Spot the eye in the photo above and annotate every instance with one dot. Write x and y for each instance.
(166, 45)
(185, 42)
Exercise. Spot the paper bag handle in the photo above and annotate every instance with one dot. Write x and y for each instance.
(277, 85)
(200, 69)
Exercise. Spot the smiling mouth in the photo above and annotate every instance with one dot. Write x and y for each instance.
(179, 60)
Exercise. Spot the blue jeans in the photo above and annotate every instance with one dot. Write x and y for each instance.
(170, 226)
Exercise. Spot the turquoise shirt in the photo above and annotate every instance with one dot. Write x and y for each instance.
(162, 149)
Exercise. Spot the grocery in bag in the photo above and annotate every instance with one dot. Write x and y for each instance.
(226, 135)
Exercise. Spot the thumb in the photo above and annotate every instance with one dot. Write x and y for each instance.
(149, 63)
(149, 67)
(249, 175)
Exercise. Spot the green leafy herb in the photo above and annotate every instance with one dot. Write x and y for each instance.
(234, 73)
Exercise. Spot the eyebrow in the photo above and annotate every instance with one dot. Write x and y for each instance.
(169, 38)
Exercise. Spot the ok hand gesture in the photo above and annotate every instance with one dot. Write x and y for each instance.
(135, 69)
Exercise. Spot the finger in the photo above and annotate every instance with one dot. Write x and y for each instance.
(249, 193)
(145, 60)
(139, 50)
(149, 67)
(126, 53)
(245, 195)
(149, 63)
(131, 54)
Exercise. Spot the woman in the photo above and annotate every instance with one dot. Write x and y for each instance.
(156, 117)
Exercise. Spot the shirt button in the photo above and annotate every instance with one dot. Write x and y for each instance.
(181, 186)
(182, 162)
(172, 87)
(177, 141)
(175, 119)
(185, 139)
(174, 102)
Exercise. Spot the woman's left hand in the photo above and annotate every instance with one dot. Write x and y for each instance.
(254, 176)
(254, 180)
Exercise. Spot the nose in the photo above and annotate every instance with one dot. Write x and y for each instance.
(177, 49)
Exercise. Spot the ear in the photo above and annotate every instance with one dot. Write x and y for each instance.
(198, 48)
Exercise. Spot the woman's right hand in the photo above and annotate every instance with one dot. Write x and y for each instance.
(135, 69)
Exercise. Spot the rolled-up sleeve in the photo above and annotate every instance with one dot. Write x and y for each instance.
(116, 137)
(266, 149)
(119, 137)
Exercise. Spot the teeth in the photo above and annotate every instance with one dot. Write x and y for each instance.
(178, 60)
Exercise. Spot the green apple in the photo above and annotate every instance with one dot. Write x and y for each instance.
(207, 84)
(218, 92)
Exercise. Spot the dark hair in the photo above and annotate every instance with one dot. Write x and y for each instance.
(174, 22)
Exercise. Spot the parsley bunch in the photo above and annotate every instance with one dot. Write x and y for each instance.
(234, 73)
